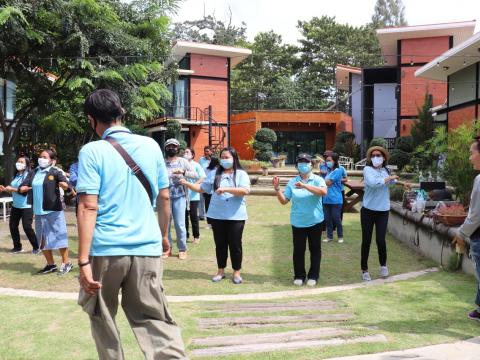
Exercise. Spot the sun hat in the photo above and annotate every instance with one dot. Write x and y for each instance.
(172, 142)
(384, 151)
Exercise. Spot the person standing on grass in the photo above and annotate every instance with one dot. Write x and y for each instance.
(204, 163)
(50, 225)
(227, 211)
(210, 171)
(333, 201)
(194, 197)
(178, 168)
(375, 208)
(120, 242)
(305, 192)
(20, 207)
(471, 226)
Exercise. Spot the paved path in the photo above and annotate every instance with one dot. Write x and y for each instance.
(462, 350)
(236, 297)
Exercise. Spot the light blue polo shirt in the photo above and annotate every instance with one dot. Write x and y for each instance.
(334, 195)
(126, 224)
(193, 195)
(37, 188)
(227, 206)
(19, 200)
(204, 162)
(307, 209)
(377, 193)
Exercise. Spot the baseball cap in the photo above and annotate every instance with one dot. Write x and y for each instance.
(172, 142)
(304, 156)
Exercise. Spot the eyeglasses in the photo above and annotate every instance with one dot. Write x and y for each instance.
(376, 155)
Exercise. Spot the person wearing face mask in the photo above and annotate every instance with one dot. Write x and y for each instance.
(194, 197)
(178, 168)
(50, 225)
(375, 208)
(21, 210)
(227, 211)
(305, 192)
(333, 201)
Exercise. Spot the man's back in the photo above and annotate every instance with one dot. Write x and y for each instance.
(126, 222)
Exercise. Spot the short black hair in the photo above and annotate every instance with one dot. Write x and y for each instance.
(51, 153)
(104, 106)
(208, 147)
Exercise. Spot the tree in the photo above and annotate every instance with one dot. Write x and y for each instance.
(58, 51)
(423, 128)
(389, 13)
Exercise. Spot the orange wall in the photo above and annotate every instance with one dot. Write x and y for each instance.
(198, 139)
(206, 65)
(461, 116)
(423, 50)
(413, 90)
(242, 133)
(406, 126)
(204, 92)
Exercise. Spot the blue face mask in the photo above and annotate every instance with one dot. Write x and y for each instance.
(226, 163)
(330, 164)
(304, 168)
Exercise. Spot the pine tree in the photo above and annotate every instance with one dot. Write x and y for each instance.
(423, 128)
(389, 13)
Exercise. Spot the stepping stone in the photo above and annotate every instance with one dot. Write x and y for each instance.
(307, 334)
(278, 346)
(273, 307)
(207, 323)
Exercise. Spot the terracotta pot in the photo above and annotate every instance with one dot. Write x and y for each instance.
(451, 220)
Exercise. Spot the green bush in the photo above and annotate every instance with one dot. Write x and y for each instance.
(265, 156)
(400, 158)
(266, 135)
(174, 128)
(344, 137)
(378, 141)
(404, 143)
(339, 148)
(259, 146)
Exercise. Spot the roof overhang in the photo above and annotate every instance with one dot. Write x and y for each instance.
(342, 75)
(388, 37)
(185, 72)
(451, 61)
(235, 54)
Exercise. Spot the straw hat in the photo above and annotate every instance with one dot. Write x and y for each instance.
(384, 151)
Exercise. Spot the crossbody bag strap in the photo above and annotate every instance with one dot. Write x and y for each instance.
(132, 165)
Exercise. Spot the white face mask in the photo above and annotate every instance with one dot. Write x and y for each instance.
(20, 166)
(377, 161)
(187, 156)
(43, 163)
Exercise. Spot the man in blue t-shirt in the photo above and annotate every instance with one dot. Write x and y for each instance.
(119, 237)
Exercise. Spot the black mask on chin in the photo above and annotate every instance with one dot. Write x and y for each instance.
(171, 152)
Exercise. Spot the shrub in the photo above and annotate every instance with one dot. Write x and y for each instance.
(260, 147)
(404, 143)
(400, 158)
(339, 148)
(344, 137)
(174, 128)
(264, 139)
(378, 141)
(266, 135)
(265, 156)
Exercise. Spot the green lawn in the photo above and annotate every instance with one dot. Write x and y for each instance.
(426, 310)
(267, 262)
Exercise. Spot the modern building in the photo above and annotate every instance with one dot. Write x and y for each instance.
(389, 96)
(312, 132)
(201, 95)
(459, 68)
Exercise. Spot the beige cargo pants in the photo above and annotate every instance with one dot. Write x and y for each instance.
(144, 303)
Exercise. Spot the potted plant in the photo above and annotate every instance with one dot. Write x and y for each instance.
(264, 169)
(283, 158)
(450, 215)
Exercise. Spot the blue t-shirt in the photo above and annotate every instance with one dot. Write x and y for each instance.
(377, 193)
(19, 200)
(307, 209)
(334, 194)
(227, 206)
(126, 224)
(193, 195)
(37, 189)
(204, 162)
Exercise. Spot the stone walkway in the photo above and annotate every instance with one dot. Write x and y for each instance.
(236, 297)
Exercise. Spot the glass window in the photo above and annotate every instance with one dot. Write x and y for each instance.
(293, 143)
(10, 108)
(180, 99)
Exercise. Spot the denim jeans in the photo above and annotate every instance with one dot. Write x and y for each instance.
(178, 207)
(475, 254)
(333, 217)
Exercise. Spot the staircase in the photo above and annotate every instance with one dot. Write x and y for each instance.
(215, 131)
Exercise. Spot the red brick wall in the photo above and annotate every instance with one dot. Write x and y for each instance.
(423, 50)
(205, 92)
(198, 139)
(461, 116)
(406, 126)
(206, 65)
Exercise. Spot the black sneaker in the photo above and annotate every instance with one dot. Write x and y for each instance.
(65, 268)
(48, 269)
(16, 251)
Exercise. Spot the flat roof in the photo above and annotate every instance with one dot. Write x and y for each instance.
(342, 75)
(236, 54)
(451, 61)
(388, 37)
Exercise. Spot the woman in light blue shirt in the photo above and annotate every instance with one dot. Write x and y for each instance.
(375, 207)
(227, 211)
(305, 192)
(333, 201)
(20, 208)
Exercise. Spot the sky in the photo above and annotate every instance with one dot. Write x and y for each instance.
(282, 16)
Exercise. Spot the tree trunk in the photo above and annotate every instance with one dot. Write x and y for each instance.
(8, 161)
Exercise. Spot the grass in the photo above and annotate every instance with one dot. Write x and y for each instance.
(427, 310)
(267, 265)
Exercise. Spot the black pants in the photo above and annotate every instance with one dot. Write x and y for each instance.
(228, 235)
(207, 197)
(193, 215)
(300, 236)
(368, 219)
(27, 218)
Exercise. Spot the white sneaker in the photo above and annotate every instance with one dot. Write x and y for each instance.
(326, 240)
(383, 271)
(340, 240)
(311, 282)
(298, 282)
(366, 276)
